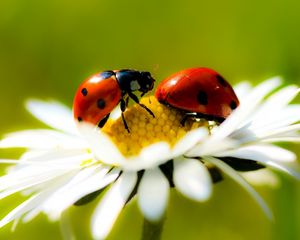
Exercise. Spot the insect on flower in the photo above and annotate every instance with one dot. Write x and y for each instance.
(98, 95)
(200, 93)
(66, 166)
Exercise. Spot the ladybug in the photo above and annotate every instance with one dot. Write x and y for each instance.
(199, 93)
(98, 95)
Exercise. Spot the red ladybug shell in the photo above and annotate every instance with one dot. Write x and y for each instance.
(199, 90)
(96, 97)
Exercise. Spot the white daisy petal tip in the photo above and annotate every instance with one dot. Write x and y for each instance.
(212, 147)
(276, 80)
(2, 144)
(52, 113)
(242, 88)
(116, 113)
(149, 157)
(262, 153)
(243, 183)
(155, 150)
(192, 179)
(153, 194)
(189, 140)
(111, 205)
(269, 155)
(262, 177)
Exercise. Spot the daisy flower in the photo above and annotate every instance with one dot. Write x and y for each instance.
(73, 164)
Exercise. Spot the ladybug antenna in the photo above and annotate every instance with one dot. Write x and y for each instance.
(155, 68)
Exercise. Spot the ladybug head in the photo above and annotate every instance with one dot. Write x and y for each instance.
(146, 82)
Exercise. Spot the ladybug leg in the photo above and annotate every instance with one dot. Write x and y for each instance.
(123, 108)
(136, 100)
(127, 101)
(125, 123)
(103, 121)
(183, 120)
(186, 116)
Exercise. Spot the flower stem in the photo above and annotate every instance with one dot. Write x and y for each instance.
(152, 231)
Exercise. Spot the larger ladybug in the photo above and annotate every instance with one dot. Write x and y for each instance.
(200, 93)
(98, 95)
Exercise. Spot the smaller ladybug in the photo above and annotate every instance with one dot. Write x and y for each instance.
(199, 93)
(98, 95)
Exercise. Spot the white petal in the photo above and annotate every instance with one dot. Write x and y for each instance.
(43, 139)
(278, 100)
(189, 141)
(242, 89)
(116, 113)
(30, 174)
(51, 159)
(76, 180)
(20, 210)
(211, 147)
(47, 155)
(155, 151)
(25, 175)
(269, 155)
(9, 161)
(21, 183)
(273, 121)
(153, 194)
(274, 104)
(291, 169)
(73, 191)
(266, 134)
(54, 114)
(262, 177)
(192, 179)
(151, 156)
(15, 223)
(103, 148)
(34, 202)
(280, 132)
(45, 192)
(24, 163)
(243, 183)
(242, 113)
(111, 205)
(291, 139)
(32, 214)
(258, 152)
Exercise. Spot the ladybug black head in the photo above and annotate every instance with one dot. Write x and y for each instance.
(132, 80)
(146, 82)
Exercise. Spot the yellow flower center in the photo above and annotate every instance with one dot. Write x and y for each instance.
(145, 129)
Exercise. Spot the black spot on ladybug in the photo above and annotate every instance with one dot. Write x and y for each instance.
(84, 91)
(106, 74)
(233, 105)
(101, 103)
(202, 98)
(79, 119)
(221, 80)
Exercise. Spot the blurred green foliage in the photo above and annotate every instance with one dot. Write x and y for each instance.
(48, 47)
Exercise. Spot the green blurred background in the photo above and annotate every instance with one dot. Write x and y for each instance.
(48, 47)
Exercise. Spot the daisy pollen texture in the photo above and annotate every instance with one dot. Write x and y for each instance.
(72, 164)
